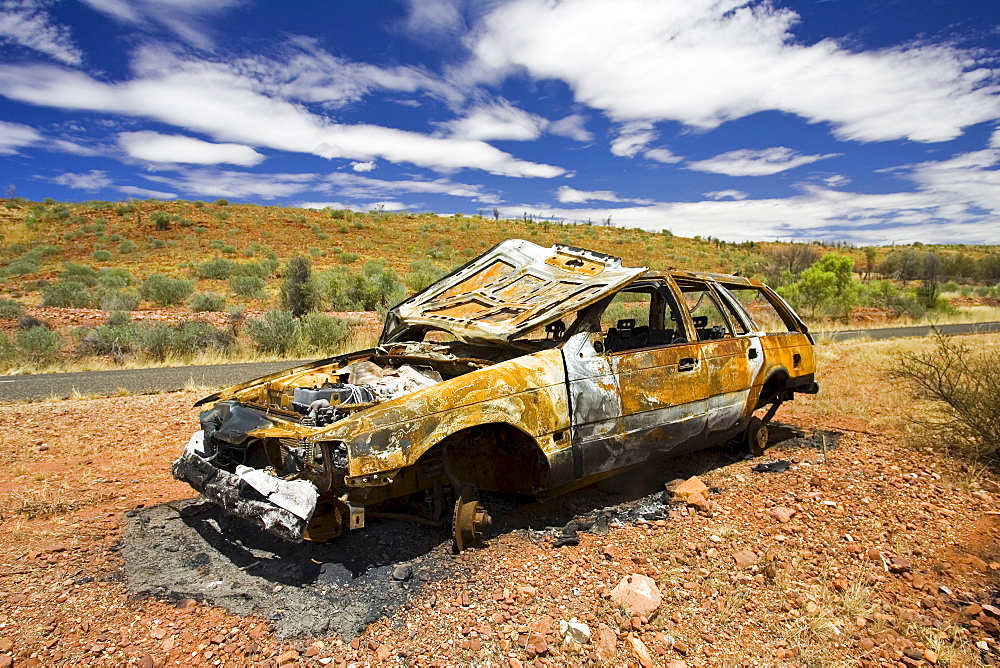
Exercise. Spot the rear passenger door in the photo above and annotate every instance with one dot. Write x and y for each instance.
(732, 355)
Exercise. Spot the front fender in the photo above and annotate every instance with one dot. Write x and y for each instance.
(528, 393)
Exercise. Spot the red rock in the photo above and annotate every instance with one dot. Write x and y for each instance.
(867, 644)
(930, 656)
(218, 639)
(606, 644)
(781, 513)
(6, 661)
(899, 565)
(745, 558)
(535, 645)
(146, 661)
(676, 663)
(383, 653)
(291, 656)
(6, 644)
(680, 647)
(992, 610)
(640, 651)
(637, 594)
(973, 609)
(692, 485)
(698, 502)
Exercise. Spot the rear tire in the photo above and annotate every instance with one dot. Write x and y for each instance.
(755, 436)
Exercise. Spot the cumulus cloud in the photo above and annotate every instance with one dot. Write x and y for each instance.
(727, 194)
(705, 62)
(568, 195)
(356, 187)
(207, 182)
(145, 193)
(497, 121)
(91, 181)
(750, 162)
(434, 18)
(212, 98)
(27, 23)
(15, 135)
(662, 155)
(363, 166)
(572, 126)
(155, 147)
(184, 18)
(632, 138)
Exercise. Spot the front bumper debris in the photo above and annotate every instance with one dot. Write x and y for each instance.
(282, 507)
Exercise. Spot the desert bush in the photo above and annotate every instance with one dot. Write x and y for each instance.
(322, 334)
(375, 288)
(207, 302)
(248, 286)
(127, 246)
(8, 350)
(118, 338)
(115, 277)
(183, 340)
(68, 294)
(423, 273)
(277, 332)
(261, 269)
(161, 220)
(886, 296)
(960, 383)
(218, 268)
(11, 309)
(81, 273)
(222, 202)
(298, 290)
(38, 346)
(29, 264)
(102, 255)
(165, 291)
(112, 299)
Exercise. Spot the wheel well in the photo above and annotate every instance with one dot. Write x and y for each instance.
(496, 457)
(772, 389)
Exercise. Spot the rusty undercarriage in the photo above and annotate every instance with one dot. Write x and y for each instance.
(528, 370)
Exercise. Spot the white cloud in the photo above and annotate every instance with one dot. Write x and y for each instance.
(15, 135)
(750, 162)
(835, 180)
(568, 195)
(497, 121)
(571, 126)
(704, 62)
(91, 181)
(206, 182)
(434, 18)
(662, 155)
(210, 98)
(145, 193)
(155, 147)
(27, 23)
(727, 194)
(956, 201)
(362, 187)
(632, 138)
(385, 205)
(184, 18)
(363, 166)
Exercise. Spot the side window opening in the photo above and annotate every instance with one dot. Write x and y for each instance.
(641, 318)
(762, 310)
(710, 322)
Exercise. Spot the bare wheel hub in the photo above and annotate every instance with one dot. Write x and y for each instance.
(469, 520)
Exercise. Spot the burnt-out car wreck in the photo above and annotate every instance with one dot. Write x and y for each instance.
(529, 370)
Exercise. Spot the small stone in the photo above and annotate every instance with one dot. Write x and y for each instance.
(991, 610)
(640, 651)
(638, 594)
(535, 645)
(867, 644)
(291, 656)
(680, 647)
(692, 485)
(218, 639)
(606, 645)
(930, 655)
(574, 631)
(402, 572)
(6, 644)
(383, 653)
(899, 565)
(781, 513)
(914, 653)
(991, 486)
(186, 604)
(146, 661)
(6, 661)
(312, 650)
(698, 502)
(745, 558)
(973, 609)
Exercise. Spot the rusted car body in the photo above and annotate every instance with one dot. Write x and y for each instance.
(529, 370)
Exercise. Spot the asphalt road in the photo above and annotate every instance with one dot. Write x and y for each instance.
(166, 379)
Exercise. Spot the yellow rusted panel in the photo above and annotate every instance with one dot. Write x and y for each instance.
(649, 379)
(528, 393)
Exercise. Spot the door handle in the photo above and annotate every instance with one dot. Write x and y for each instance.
(687, 364)
(752, 353)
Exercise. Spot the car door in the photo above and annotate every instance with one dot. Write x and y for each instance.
(732, 356)
(638, 386)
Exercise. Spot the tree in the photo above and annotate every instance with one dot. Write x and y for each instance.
(298, 292)
(827, 283)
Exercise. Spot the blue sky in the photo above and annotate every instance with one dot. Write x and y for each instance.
(870, 122)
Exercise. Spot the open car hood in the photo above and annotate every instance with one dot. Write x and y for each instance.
(509, 290)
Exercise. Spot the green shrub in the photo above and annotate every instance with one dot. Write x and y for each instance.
(423, 273)
(118, 338)
(118, 300)
(277, 332)
(81, 273)
(219, 268)
(127, 246)
(29, 264)
(248, 286)
(115, 277)
(322, 334)
(38, 346)
(375, 288)
(102, 255)
(123, 210)
(10, 309)
(166, 291)
(183, 340)
(68, 294)
(161, 220)
(222, 202)
(261, 269)
(298, 290)
(207, 302)
(8, 350)
(347, 258)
